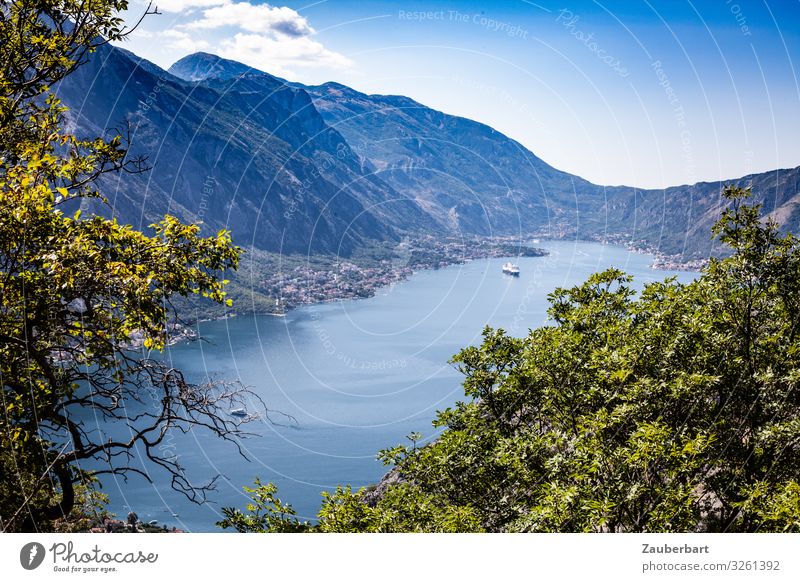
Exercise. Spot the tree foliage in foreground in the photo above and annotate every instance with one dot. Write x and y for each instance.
(671, 410)
(78, 294)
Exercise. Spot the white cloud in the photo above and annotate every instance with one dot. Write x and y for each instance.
(280, 55)
(178, 39)
(263, 18)
(271, 38)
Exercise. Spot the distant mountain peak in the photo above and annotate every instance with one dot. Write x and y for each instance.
(343, 168)
(334, 86)
(201, 66)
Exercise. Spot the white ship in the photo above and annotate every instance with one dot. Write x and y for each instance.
(511, 269)
(240, 412)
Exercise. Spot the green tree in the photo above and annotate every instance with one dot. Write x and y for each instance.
(676, 408)
(402, 508)
(84, 299)
(265, 513)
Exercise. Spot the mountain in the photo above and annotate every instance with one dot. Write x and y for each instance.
(201, 66)
(327, 169)
(485, 182)
(267, 166)
(678, 220)
(467, 176)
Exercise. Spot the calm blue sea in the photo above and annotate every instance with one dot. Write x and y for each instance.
(356, 375)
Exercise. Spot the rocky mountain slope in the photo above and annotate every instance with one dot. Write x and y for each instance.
(327, 169)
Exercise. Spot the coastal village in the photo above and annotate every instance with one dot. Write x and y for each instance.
(276, 284)
(661, 261)
(109, 524)
(353, 279)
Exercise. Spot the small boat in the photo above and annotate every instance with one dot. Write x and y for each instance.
(240, 412)
(511, 269)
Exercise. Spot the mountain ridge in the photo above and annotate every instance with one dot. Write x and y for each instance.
(328, 169)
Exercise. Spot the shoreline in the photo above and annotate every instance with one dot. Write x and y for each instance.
(392, 273)
(314, 319)
(361, 277)
(661, 261)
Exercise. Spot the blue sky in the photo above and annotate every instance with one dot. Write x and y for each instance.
(646, 93)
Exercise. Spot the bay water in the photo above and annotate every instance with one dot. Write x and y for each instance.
(345, 379)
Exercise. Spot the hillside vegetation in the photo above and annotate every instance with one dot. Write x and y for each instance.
(78, 290)
(673, 410)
